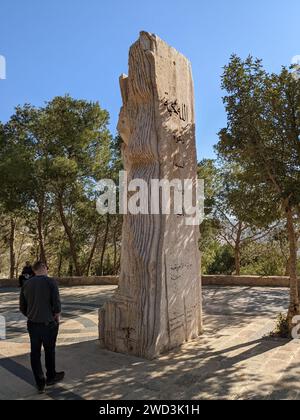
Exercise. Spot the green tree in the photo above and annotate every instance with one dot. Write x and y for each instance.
(223, 263)
(210, 227)
(51, 160)
(75, 144)
(262, 137)
(243, 215)
(232, 212)
(15, 183)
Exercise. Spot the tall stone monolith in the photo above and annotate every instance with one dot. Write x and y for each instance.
(157, 306)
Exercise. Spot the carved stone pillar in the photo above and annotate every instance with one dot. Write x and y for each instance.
(158, 303)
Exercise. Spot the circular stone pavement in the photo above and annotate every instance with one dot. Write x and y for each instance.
(232, 360)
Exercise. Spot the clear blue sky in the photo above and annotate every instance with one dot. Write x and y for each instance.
(53, 47)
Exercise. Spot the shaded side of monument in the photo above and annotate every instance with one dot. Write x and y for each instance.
(157, 306)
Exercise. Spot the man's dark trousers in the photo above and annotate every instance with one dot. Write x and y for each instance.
(43, 335)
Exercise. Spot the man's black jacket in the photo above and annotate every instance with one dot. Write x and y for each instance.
(40, 300)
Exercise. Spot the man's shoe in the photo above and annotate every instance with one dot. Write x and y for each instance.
(41, 388)
(59, 376)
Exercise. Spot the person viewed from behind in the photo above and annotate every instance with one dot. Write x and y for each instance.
(27, 272)
(40, 303)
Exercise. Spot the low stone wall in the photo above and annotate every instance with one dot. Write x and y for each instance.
(73, 281)
(88, 281)
(250, 281)
(8, 283)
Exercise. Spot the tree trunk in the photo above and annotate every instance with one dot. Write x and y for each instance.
(59, 266)
(90, 260)
(288, 270)
(18, 256)
(294, 308)
(71, 271)
(12, 254)
(237, 257)
(40, 222)
(104, 244)
(72, 244)
(237, 250)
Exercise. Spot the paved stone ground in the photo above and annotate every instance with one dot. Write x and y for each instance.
(232, 360)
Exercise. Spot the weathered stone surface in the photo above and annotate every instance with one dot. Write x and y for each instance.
(158, 304)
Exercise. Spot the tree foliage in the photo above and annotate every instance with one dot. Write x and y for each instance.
(262, 138)
(51, 160)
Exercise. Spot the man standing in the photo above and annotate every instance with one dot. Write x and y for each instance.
(40, 303)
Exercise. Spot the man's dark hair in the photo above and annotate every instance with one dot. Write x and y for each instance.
(39, 265)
